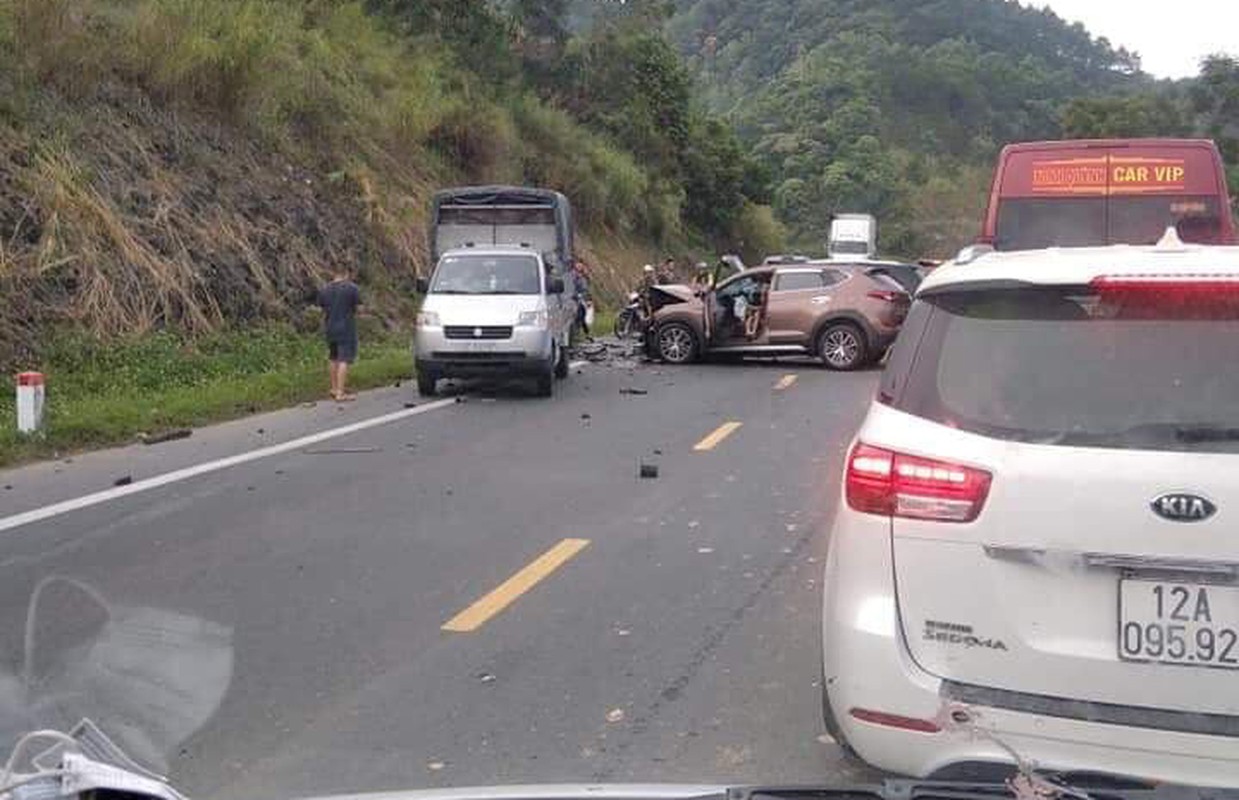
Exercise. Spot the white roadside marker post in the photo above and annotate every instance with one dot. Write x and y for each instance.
(29, 402)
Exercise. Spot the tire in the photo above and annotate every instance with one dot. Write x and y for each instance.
(426, 383)
(624, 323)
(842, 346)
(561, 364)
(544, 383)
(675, 343)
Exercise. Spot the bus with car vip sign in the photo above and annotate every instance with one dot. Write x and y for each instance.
(1098, 192)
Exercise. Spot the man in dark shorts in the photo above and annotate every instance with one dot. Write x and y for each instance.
(340, 300)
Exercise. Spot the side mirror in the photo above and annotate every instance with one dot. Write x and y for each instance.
(554, 285)
(423, 285)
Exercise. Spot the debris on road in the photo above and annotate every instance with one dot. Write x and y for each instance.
(166, 436)
(486, 677)
(705, 551)
(124, 480)
(620, 354)
(435, 766)
(309, 404)
(636, 392)
(615, 715)
(410, 405)
(694, 524)
(648, 470)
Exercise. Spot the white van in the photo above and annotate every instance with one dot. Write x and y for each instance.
(495, 311)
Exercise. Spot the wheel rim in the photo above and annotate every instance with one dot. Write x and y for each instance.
(840, 347)
(675, 344)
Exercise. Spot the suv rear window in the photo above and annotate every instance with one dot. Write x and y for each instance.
(1072, 366)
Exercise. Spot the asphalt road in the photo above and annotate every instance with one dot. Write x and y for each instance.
(276, 628)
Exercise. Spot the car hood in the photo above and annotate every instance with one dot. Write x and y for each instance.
(565, 791)
(481, 309)
(673, 293)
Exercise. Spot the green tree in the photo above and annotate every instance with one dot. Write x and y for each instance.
(1215, 97)
(1125, 116)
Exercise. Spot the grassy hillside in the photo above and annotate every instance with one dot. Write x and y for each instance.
(198, 165)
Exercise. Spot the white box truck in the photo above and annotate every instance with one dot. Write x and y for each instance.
(853, 236)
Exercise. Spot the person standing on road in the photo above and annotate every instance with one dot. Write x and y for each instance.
(580, 281)
(340, 299)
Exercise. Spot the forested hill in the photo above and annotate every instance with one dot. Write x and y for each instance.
(896, 107)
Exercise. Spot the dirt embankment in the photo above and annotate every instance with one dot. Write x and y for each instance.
(120, 217)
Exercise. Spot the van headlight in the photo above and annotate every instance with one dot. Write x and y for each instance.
(532, 319)
(427, 319)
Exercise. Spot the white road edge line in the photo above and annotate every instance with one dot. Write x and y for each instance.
(146, 484)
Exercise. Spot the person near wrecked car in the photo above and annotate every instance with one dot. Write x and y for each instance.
(703, 281)
(340, 300)
(666, 273)
(580, 280)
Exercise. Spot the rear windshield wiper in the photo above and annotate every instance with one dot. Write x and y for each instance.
(1155, 433)
(1206, 433)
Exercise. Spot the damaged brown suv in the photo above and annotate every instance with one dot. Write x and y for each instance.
(845, 314)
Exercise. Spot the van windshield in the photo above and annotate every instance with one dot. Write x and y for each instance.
(1071, 366)
(487, 274)
(1036, 222)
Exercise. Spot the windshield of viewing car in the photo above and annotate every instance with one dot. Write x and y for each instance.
(1074, 366)
(483, 274)
(432, 394)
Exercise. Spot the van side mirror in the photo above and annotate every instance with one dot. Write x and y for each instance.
(554, 285)
(423, 285)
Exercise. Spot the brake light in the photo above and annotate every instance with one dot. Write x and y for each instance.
(894, 484)
(890, 297)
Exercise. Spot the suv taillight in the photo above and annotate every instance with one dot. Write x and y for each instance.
(887, 296)
(894, 484)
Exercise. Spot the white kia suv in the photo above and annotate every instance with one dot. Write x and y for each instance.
(1037, 547)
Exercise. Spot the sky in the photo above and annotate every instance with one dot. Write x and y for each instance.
(1171, 36)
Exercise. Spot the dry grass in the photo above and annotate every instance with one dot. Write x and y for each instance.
(195, 164)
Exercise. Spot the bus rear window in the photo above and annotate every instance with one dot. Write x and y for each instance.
(1031, 223)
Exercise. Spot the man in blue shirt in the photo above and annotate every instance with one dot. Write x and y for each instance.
(340, 300)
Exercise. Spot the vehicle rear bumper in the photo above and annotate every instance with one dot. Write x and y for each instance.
(881, 338)
(867, 665)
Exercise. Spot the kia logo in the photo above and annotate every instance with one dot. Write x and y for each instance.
(1183, 507)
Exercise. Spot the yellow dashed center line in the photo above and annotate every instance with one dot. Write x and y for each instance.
(506, 593)
(785, 382)
(720, 433)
